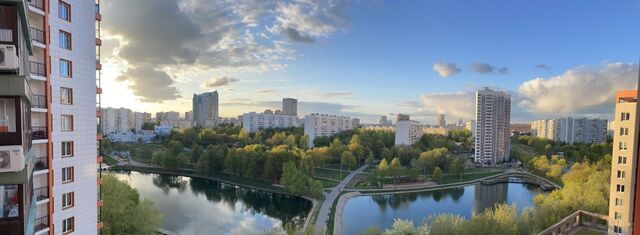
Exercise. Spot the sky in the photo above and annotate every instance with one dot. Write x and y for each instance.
(370, 58)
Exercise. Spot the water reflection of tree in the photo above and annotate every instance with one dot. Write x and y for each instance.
(397, 200)
(167, 182)
(285, 208)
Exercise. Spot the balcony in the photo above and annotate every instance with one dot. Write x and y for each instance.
(98, 16)
(38, 4)
(37, 68)
(37, 35)
(41, 193)
(42, 223)
(42, 163)
(39, 102)
(579, 222)
(39, 132)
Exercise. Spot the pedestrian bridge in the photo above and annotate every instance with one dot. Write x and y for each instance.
(521, 177)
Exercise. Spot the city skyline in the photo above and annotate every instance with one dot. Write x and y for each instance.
(335, 57)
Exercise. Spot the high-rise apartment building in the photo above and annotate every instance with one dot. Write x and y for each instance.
(188, 115)
(408, 132)
(137, 121)
(493, 113)
(205, 107)
(252, 122)
(290, 106)
(570, 130)
(383, 121)
(355, 123)
(324, 125)
(49, 91)
(624, 205)
(116, 120)
(441, 121)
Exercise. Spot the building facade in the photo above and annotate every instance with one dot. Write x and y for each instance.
(408, 132)
(569, 130)
(383, 121)
(316, 124)
(441, 121)
(205, 107)
(290, 106)
(623, 203)
(493, 113)
(116, 120)
(355, 123)
(252, 122)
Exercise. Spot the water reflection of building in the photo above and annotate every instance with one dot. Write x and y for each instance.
(486, 196)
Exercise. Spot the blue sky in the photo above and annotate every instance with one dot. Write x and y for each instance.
(371, 58)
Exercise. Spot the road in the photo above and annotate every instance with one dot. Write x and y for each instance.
(320, 226)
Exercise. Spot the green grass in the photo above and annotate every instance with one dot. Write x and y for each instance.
(337, 167)
(109, 160)
(138, 148)
(329, 183)
(330, 174)
(448, 179)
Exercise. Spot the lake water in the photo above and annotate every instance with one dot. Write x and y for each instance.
(380, 210)
(200, 206)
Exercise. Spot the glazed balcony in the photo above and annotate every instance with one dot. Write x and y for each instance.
(39, 102)
(37, 69)
(39, 132)
(41, 163)
(37, 35)
(38, 4)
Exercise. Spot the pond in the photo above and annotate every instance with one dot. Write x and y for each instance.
(201, 206)
(380, 210)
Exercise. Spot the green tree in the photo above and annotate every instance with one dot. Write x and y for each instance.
(347, 160)
(356, 148)
(123, 212)
(175, 147)
(321, 141)
(304, 142)
(456, 167)
(196, 152)
(437, 175)
(292, 179)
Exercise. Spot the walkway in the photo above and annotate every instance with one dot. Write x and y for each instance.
(320, 226)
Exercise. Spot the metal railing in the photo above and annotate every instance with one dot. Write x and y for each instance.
(39, 132)
(37, 34)
(41, 163)
(39, 101)
(577, 221)
(41, 193)
(41, 223)
(37, 3)
(37, 68)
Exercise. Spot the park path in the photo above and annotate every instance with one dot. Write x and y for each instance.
(320, 226)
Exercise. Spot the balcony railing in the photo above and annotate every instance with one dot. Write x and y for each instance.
(37, 68)
(39, 102)
(37, 3)
(579, 220)
(41, 163)
(41, 223)
(39, 132)
(41, 193)
(37, 35)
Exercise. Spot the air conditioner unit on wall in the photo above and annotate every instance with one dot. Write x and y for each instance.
(12, 158)
(8, 58)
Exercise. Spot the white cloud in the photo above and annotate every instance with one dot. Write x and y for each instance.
(445, 69)
(585, 90)
(218, 82)
(485, 68)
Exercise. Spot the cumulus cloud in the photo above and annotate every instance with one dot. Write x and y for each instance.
(445, 69)
(485, 68)
(454, 105)
(586, 90)
(166, 36)
(218, 82)
(265, 91)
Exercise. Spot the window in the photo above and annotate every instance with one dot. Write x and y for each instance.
(625, 116)
(65, 68)
(617, 215)
(67, 200)
(67, 174)
(624, 131)
(64, 40)
(620, 174)
(67, 122)
(67, 225)
(622, 160)
(66, 95)
(620, 188)
(10, 201)
(8, 115)
(622, 146)
(67, 149)
(64, 11)
(617, 229)
(618, 201)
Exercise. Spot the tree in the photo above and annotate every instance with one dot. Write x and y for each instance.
(196, 152)
(456, 167)
(321, 141)
(347, 159)
(307, 165)
(356, 148)
(395, 163)
(383, 166)
(304, 142)
(175, 147)
(437, 175)
(291, 141)
(292, 179)
(123, 212)
(106, 146)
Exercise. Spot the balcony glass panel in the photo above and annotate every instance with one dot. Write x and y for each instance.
(10, 199)
(8, 115)
(39, 132)
(37, 68)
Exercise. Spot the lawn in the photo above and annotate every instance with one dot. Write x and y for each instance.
(330, 174)
(109, 160)
(328, 183)
(138, 149)
(448, 179)
(337, 167)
